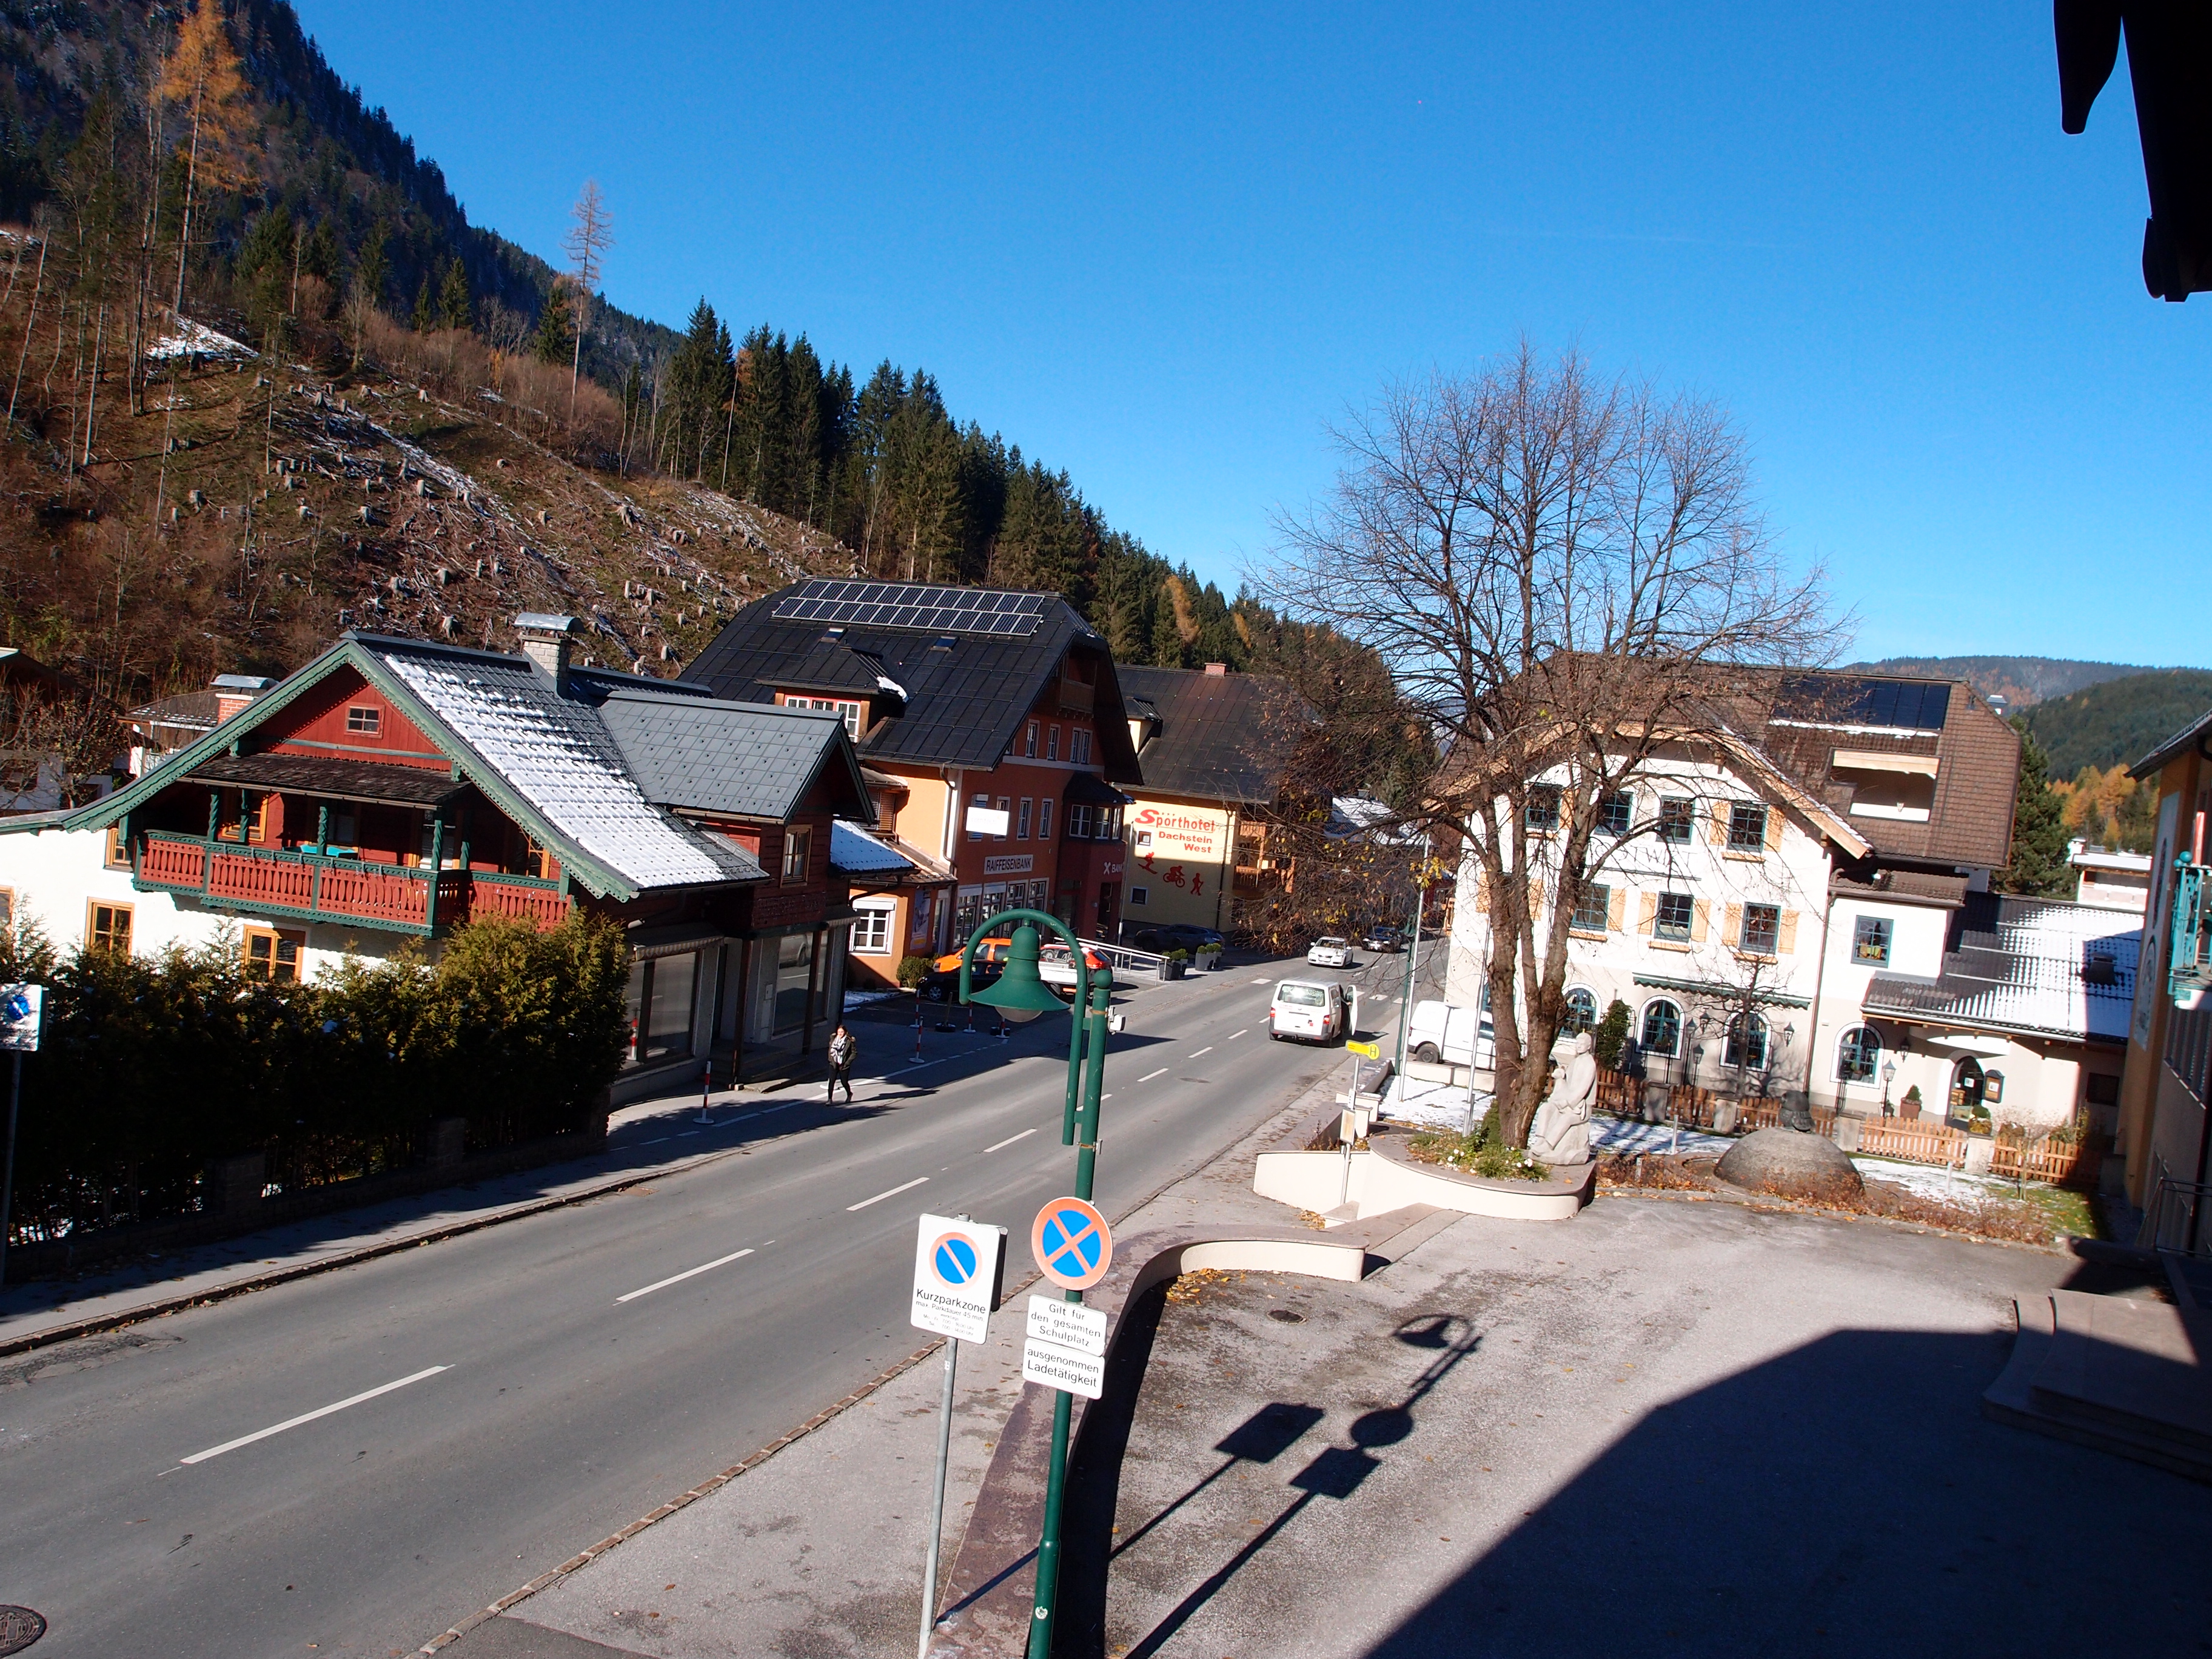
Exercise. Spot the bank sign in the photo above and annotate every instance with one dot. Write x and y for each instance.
(1180, 832)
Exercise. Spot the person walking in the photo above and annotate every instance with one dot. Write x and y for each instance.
(844, 1049)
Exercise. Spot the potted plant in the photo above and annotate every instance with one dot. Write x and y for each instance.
(1173, 963)
(1208, 959)
(1908, 1108)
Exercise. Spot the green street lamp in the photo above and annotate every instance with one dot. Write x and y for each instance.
(1021, 994)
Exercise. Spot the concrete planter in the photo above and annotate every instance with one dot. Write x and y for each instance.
(1386, 1177)
(1172, 970)
(1206, 961)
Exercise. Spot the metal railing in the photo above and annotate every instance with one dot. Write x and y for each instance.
(2174, 1214)
(1123, 957)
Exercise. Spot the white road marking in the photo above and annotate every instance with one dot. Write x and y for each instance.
(1010, 1141)
(1233, 1035)
(307, 1417)
(1149, 1076)
(1206, 1050)
(655, 1143)
(880, 1197)
(678, 1279)
(1103, 1098)
(1263, 982)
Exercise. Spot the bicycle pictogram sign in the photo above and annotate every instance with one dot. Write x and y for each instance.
(1073, 1244)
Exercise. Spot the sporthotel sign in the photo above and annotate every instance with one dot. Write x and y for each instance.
(1180, 832)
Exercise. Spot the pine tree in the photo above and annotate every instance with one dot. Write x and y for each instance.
(372, 271)
(555, 340)
(2038, 867)
(425, 307)
(455, 306)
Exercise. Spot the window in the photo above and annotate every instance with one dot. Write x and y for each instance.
(2104, 1089)
(1029, 740)
(1616, 812)
(1139, 896)
(7, 911)
(1858, 1054)
(872, 933)
(660, 997)
(1052, 743)
(852, 713)
(1870, 941)
(1674, 820)
(1673, 919)
(1582, 1012)
(1592, 914)
(1746, 1043)
(107, 928)
(1022, 820)
(1079, 746)
(1079, 821)
(1663, 1028)
(1762, 930)
(250, 822)
(1006, 806)
(118, 848)
(1542, 813)
(1747, 827)
(796, 843)
(365, 722)
(1044, 823)
(273, 956)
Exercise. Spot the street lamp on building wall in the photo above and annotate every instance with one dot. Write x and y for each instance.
(1020, 994)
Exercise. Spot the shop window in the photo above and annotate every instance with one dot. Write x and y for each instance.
(1676, 821)
(107, 928)
(794, 966)
(796, 843)
(365, 722)
(1762, 930)
(1661, 1028)
(1674, 916)
(1858, 1054)
(872, 933)
(661, 993)
(1746, 1043)
(274, 956)
(1870, 941)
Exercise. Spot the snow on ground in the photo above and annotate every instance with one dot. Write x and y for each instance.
(198, 339)
(1933, 1181)
(1431, 1105)
(1629, 1135)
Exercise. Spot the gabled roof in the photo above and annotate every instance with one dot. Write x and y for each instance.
(2191, 735)
(548, 761)
(957, 695)
(1221, 737)
(2036, 967)
(745, 759)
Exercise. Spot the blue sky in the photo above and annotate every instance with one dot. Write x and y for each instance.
(1164, 252)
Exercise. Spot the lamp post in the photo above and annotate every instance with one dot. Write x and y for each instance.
(1020, 994)
(1889, 1077)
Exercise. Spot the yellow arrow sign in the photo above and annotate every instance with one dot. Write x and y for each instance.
(1366, 1050)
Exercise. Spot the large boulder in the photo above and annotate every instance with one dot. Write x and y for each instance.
(1792, 1164)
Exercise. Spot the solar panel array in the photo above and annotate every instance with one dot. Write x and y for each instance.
(927, 609)
(1845, 700)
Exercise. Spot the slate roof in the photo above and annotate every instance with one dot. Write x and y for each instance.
(744, 759)
(954, 699)
(1913, 886)
(2034, 967)
(2188, 738)
(334, 778)
(1221, 737)
(855, 852)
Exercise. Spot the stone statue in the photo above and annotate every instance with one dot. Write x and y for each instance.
(1560, 1133)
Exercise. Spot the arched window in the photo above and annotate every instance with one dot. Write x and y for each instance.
(1582, 1012)
(1858, 1054)
(1663, 1028)
(1746, 1043)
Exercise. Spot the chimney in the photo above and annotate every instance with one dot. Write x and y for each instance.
(547, 641)
(1217, 668)
(236, 692)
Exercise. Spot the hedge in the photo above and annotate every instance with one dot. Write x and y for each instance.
(151, 1067)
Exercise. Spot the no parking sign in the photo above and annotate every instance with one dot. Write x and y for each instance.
(958, 1266)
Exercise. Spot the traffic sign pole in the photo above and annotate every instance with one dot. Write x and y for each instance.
(7, 1181)
(937, 1501)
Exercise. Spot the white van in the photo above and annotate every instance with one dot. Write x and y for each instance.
(1312, 1009)
(1455, 1037)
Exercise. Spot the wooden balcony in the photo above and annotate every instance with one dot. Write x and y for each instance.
(312, 887)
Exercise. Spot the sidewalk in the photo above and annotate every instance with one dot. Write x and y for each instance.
(1480, 1449)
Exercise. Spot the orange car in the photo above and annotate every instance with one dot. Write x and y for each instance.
(943, 984)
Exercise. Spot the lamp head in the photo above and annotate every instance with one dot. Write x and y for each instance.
(1019, 993)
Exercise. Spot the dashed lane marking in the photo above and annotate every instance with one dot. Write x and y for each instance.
(1149, 1076)
(308, 1417)
(880, 1197)
(678, 1279)
(1009, 1141)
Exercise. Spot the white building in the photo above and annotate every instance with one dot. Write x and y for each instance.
(1802, 906)
(2111, 881)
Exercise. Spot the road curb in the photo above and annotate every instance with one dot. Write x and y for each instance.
(31, 1340)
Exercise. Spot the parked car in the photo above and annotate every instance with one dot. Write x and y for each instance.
(1315, 1011)
(1454, 1037)
(1384, 937)
(1176, 936)
(942, 983)
(1329, 952)
(1057, 968)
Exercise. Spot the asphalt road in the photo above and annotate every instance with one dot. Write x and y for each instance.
(350, 1464)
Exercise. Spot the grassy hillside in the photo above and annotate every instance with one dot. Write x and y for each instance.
(2023, 681)
(2117, 721)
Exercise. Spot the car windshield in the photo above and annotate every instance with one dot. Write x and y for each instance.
(1328, 943)
(1301, 996)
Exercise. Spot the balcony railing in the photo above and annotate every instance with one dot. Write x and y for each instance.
(314, 887)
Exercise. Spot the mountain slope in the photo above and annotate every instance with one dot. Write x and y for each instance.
(2023, 681)
(2116, 722)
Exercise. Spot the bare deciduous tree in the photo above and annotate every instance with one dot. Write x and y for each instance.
(590, 236)
(1567, 576)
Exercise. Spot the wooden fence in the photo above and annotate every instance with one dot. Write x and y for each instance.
(2074, 1163)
